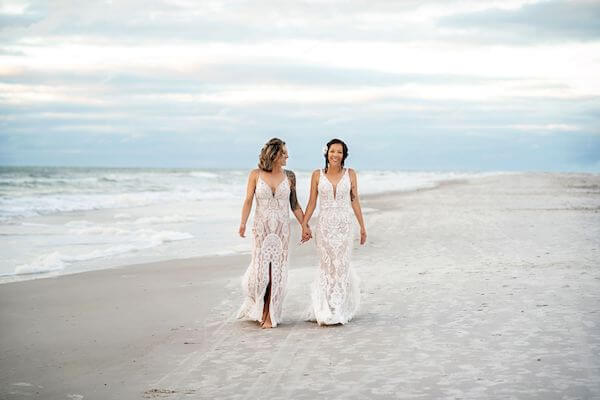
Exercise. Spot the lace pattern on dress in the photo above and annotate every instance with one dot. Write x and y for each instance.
(335, 294)
(271, 233)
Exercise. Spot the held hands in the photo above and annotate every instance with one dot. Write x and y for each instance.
(306, 234)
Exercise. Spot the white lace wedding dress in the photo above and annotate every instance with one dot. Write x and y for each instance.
(335, 295)
(271, 238)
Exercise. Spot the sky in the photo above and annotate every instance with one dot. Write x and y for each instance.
(411, 85)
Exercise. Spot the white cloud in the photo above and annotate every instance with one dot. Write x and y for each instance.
(13, 7)
(239, 67)
(572, 66)
(546, 127)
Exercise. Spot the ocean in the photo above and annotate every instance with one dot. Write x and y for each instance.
(63, 220)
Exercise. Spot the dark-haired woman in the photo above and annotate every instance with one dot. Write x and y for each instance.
(335, 296)
(275, 191)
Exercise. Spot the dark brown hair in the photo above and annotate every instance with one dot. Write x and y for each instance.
(269, 154)
(344, 150)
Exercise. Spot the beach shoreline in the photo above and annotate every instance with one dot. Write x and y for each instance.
(94, 223)
(477, 289)
(56, 221)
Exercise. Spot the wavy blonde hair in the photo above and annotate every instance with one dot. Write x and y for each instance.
(269, 153)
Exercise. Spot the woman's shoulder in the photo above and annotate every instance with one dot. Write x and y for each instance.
(254, 173)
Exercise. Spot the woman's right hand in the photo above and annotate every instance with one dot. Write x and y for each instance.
(306, 233)
(242, 230)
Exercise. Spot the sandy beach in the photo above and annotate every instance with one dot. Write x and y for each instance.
(486, 288)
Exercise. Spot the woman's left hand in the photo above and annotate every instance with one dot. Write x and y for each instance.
(363, 236)
(306, 234)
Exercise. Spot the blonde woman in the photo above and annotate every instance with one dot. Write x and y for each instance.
(335, 294)
(275, 192)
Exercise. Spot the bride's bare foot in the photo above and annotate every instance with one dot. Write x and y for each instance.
(267, 322)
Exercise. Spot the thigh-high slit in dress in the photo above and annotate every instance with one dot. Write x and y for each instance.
(271, 233)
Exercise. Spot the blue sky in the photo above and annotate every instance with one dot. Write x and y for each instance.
(419, 85)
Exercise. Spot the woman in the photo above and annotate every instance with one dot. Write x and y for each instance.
(275, 191)
(335, 295)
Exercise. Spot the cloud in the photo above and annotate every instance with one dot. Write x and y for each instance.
(545, 127)
(546, 21)
(135, 21)
(415, 84)
(194, 77)
(19, 21)
(372, 146)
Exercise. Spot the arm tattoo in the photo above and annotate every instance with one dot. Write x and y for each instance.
(293, 199)
(353, 189)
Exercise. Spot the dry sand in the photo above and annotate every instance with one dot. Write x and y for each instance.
(474, 290)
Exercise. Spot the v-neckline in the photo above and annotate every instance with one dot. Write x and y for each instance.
(273, 191)
(334, 187)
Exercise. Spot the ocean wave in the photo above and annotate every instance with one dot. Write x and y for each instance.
(78, 223)
(122, 215)
(149, 236)
(36, 182)
(95, 190)
(165, 219)
(58, 261)
(29, 206)
(203, 174)
(47, 263)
